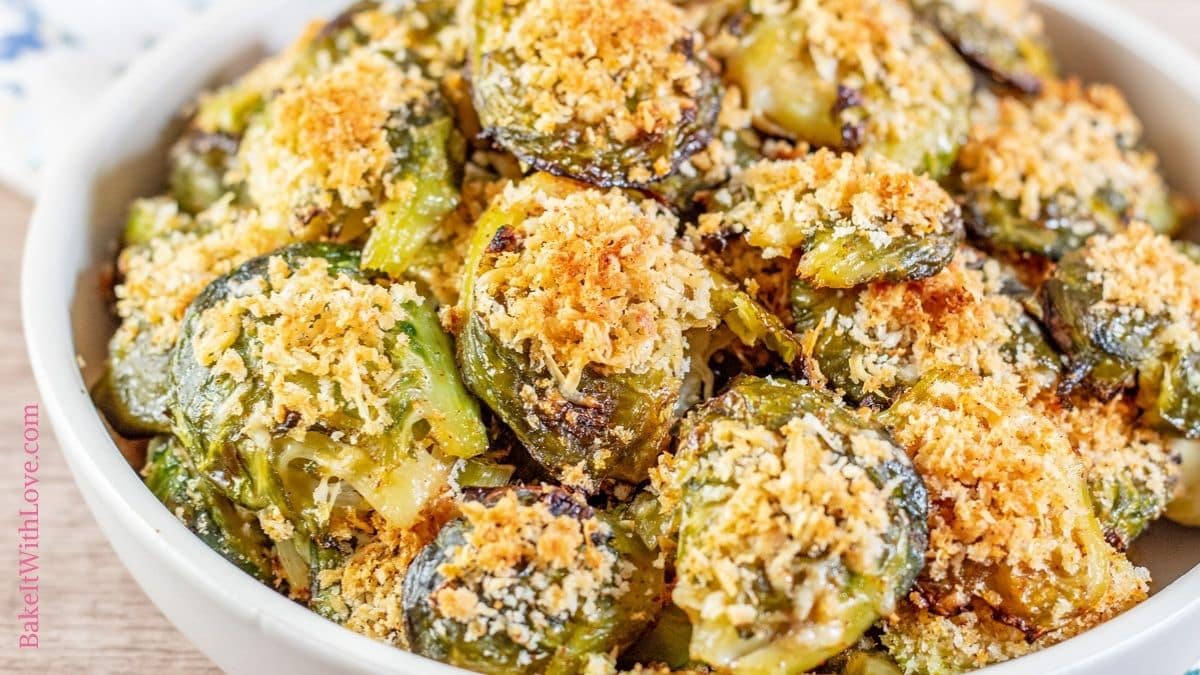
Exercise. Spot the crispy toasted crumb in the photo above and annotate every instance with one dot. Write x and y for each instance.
(370, 582)
(521, 567)
(1009, 512)
(1007, 485)
(1060, 152)
(611, 71)
(416, 30)
(1115, 448)
(324, 139)
(306, 323)
(785, 496)
(162, 277)
(959, 316)
(926, 643)
(593, 279)
(1143, 275)
(779, 205)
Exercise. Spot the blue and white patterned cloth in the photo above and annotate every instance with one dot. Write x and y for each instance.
(55, 57)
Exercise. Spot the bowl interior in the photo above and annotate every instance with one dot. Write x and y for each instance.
(132, 164)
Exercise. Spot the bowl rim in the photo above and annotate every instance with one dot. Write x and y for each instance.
(50, 343)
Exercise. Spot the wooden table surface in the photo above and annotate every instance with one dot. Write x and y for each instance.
(94, 618)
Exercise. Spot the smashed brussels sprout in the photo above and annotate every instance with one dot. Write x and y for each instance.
(1005, 38)
(366, 141)
(300, 385)
(227, 528)
(1126, 309)
(587, 373)
(1014, 543)
(854, 75)
(800, 524)
(611, 93)
(169, 258)
(851, 220)
(1131, 470)
(1041, 176)
(871, 344)
(530, 580)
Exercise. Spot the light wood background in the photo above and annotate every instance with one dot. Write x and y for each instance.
(94, 618)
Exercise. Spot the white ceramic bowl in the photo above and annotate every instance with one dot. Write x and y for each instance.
(243, 626)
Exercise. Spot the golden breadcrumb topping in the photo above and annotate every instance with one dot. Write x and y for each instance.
(924, 642)
(960, 316)
(221, 110)
(417, 31)
(367, 589)
(1143, 275)
(606, 71)
(1113, 447)
(1006, 489)
(521, 565)
(779, 205)
(309, 325)
(1061, 151)
(786, 495)
(324, 139)
(163, 276)
(594, 279)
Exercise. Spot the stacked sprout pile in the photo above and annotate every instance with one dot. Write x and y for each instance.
(764, 336)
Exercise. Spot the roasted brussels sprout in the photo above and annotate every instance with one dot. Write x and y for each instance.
(1185, 506)
(873, 343)
(856, 76)
(800, 524)
(611, 93)
(1131, 470)
(587, 373)
(363, 590)
(530, 580)
(1128, 305)
(228, 529)
(1015, 548)
(169, 259)
(850, 219)
(299, 384)
(1041, 176)
(1005, 38)
(365, 143)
